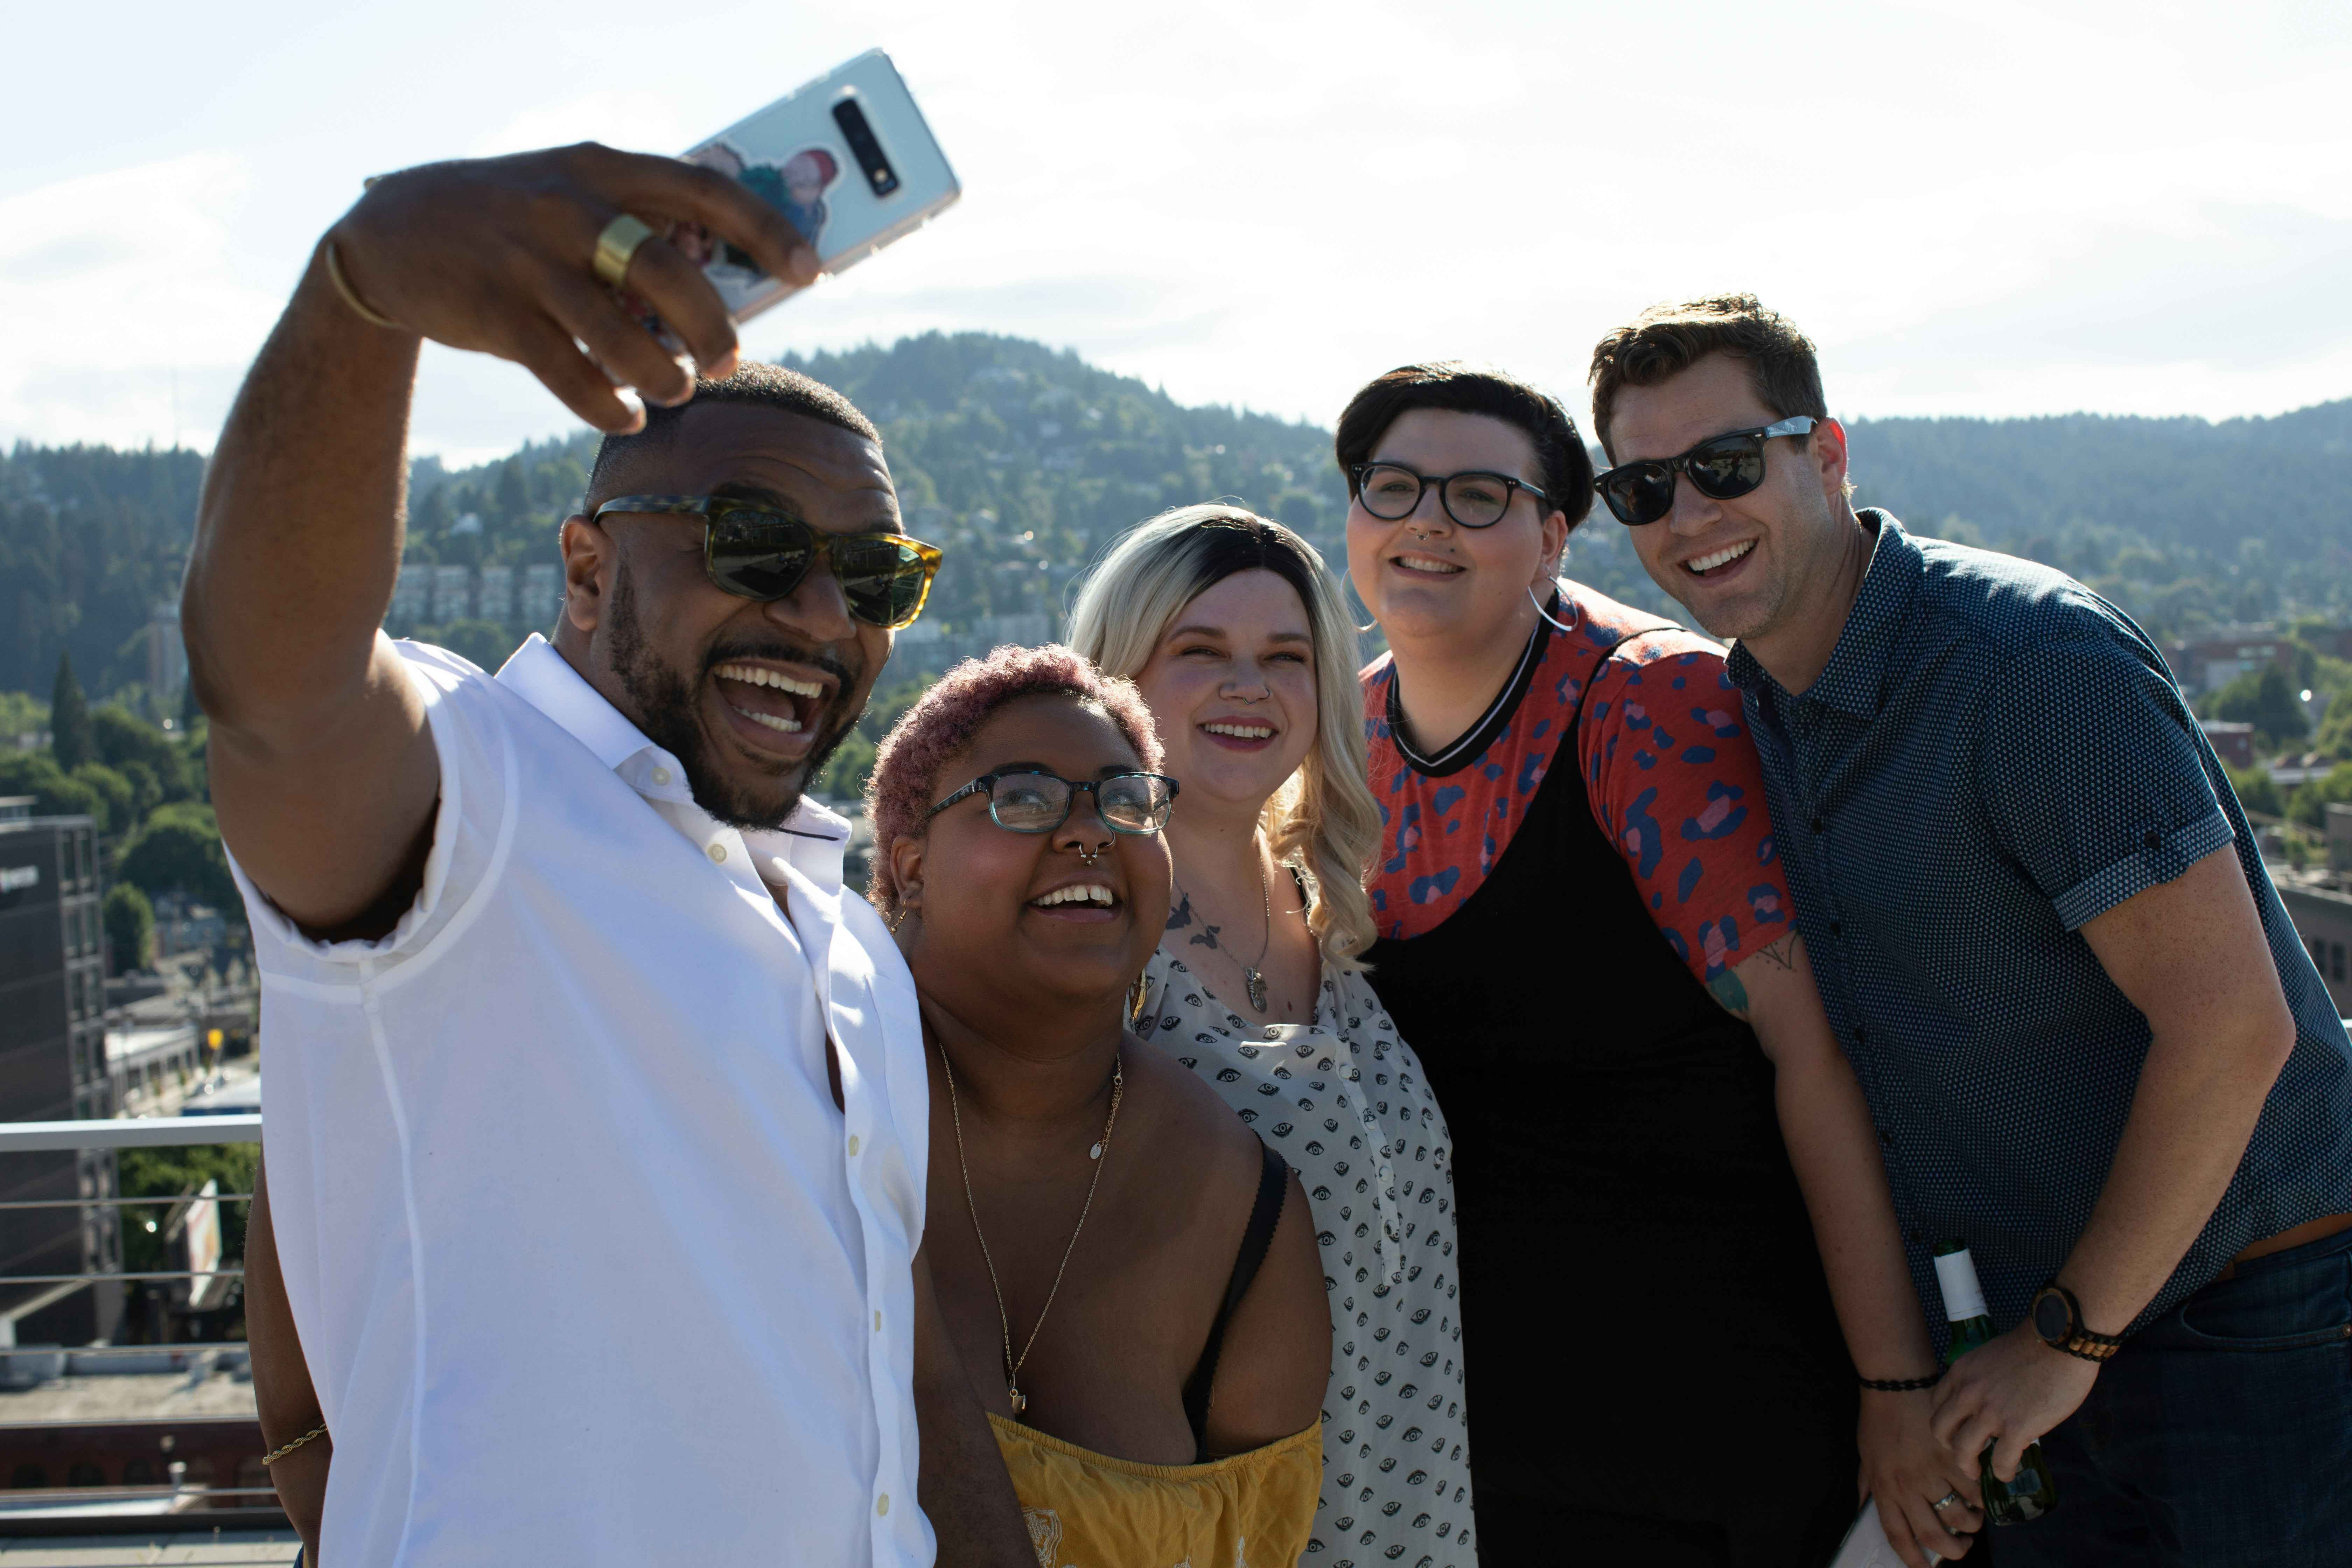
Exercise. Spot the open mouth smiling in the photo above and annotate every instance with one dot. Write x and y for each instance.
(1089, 900)
(1423, 566)
(1715, 561)
(787, 705)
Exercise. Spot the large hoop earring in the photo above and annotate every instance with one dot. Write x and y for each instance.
(1573, 618)
(1371, 624)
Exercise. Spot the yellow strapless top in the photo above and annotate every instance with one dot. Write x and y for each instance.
(1088, 1510)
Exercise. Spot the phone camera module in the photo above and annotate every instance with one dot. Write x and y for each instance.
(863, 147)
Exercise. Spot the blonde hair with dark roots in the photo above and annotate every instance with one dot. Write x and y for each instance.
(946, 719)
(1323, 819)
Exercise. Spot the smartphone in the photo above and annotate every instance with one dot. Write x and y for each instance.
(847, 160)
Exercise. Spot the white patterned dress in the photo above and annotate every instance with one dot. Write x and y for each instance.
(1343, 1100)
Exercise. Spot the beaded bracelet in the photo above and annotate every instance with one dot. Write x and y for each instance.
(1901, 1385)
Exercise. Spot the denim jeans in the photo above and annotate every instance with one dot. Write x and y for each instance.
(2220, 1437)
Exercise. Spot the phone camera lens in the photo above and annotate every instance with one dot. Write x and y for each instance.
(864, 148)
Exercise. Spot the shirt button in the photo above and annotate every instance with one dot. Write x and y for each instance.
(853, 1145)
(1885, 1139)
(878, 1322)
(1860, 1034)
(718, 853)
(1836, 929)
(1817, 825)
(661, 775)
(882, 1505)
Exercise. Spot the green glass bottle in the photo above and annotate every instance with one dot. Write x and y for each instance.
(2034, 1492)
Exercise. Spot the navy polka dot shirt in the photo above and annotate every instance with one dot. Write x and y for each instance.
(1993, 756)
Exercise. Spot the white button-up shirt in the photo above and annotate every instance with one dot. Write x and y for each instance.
(588, 1265)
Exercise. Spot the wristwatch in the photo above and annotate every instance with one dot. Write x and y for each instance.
(2057, 1317)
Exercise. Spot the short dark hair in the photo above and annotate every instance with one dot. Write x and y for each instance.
(1666, 339)
(1566, 465)
(755, 381)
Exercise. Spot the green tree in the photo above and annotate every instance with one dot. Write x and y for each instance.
(179, 850)
(69, 737)
(2263, 698)
(122, 811)
(129, 926)
(123, 738)
(21, 713)
(54, 795)
(170, 1174)
(2258, 791)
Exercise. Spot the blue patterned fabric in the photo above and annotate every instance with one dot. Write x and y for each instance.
(1993, 756)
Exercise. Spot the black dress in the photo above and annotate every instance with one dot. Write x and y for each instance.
(1656, 1374)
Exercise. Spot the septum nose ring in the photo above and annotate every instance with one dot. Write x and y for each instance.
(1088, 857)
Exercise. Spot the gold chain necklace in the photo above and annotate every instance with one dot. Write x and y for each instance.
(1012, 1364)
(1252, 978)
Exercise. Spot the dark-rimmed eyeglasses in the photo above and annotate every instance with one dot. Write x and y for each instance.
(1722, 466)
(755, 551)
(1033, 801)
(1474, 498)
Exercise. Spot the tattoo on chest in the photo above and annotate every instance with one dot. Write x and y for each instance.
(1184, 919)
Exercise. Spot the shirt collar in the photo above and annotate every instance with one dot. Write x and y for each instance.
(1854, 678)
(545, 678)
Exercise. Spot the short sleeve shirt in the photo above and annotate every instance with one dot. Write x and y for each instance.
(1994, 756)
(1670, 777)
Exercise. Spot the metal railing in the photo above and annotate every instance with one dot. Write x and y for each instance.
(193, 1479)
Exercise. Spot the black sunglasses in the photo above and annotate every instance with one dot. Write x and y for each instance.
(1034, 801)
(1722, 467)
(757, 553)
(1474, 497)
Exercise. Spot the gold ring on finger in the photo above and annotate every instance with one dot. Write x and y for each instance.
(617, 244)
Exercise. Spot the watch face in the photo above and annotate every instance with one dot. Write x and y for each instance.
(2051, 1320)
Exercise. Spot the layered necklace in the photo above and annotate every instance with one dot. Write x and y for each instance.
(1012, 1364)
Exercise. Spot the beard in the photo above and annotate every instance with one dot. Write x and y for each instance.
(663, 698)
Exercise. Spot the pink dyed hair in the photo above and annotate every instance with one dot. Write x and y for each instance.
(943, 722)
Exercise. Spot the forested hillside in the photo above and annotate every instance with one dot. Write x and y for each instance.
(1023, 462)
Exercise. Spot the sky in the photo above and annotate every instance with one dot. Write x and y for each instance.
(1983, 209)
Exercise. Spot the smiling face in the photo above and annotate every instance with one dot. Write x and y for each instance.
(1744, 567)
(1432, 583)
(1232, 689)
(751, 698)
(1020, 916)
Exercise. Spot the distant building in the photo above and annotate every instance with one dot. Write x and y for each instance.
(149, 1069)
(2218, 657)
(167, 655)
(2233, 742)
(541, 595)
(2322, 914)
(1026, 629)
(453, 592)
(53, 1068)
(494, 594)
(412, 594)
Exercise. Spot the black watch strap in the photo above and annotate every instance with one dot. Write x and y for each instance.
(2074, 1338)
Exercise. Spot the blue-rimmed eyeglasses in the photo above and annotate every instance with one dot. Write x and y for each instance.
(1033, 801)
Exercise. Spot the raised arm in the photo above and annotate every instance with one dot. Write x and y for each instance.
(323, 772)
(1825, 1123)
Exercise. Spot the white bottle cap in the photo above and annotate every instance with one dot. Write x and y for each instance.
(1956, 1274)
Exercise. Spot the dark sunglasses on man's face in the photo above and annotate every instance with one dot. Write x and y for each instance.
(757, 553)
(1723, 466)
(1033, 800)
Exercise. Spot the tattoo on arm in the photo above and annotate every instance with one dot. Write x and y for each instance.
(1782, 954)
(1729, 993)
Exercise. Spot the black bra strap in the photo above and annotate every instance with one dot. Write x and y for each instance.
(1272, 1187)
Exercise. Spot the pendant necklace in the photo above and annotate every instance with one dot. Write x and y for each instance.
(1253, 980)
(1013, 1364)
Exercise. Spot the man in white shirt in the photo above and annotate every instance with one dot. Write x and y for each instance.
(597, 1111)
